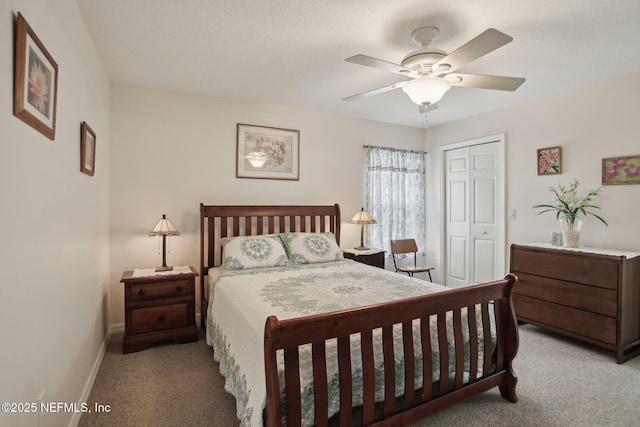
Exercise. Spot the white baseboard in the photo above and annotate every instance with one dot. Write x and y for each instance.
(113, 329)
(118, 327)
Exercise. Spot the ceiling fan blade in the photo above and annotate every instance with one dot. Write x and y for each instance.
(374, 91)
(369, 61)
(485, 82)
(483, 44)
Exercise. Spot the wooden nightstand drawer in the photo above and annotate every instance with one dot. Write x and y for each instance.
(374, 258)
(159, 307)
(147, 291)
(160, 318)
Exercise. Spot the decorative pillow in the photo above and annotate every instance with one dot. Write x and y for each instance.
(305, 248)
(252, 252)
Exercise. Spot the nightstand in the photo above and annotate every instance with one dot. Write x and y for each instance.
(374, 257)
(158, 307)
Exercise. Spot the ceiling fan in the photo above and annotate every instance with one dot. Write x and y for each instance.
(430, 71)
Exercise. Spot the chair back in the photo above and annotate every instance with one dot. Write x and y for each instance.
(404, 246)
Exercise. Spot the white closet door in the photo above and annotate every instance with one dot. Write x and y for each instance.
(457, 217)
(474, 205)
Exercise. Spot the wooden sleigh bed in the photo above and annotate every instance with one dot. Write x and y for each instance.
(445, 347)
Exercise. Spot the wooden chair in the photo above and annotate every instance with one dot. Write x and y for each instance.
(405, 247)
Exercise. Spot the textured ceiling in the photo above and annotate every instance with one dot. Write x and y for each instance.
(292, 52)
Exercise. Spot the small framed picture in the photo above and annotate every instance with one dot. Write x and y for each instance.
(267, 153)
(621, 170)
(550, 161)
(87, 150)
(35, 86)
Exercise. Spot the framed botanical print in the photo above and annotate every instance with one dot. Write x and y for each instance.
(87, 150)
(35, 89)
(267, 153)
(621, 170)
(549, 161)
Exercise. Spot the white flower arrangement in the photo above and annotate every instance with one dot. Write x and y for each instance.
(568, 204)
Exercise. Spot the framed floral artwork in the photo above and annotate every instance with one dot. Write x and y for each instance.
(621, 170)
(267, 153)
(87, 149)
(35, 89)
(550, 161)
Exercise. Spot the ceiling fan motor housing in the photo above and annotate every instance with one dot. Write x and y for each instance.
(421, 61)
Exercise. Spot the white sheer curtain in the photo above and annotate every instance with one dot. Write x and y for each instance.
(396, 196)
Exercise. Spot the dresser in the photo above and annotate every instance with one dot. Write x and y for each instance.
(159, 307)
(589, 294)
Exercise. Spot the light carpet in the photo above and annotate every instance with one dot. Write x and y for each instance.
(561, 382)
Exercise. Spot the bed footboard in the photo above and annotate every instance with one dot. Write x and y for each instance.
(486, 367)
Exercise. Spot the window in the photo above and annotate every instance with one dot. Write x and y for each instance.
(396, 196)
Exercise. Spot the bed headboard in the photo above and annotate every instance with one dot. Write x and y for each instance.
(218, 221)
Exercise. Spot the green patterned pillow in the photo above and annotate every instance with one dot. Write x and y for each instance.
(306, 248)
(253, 252)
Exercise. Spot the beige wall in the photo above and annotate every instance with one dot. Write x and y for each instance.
(54, 221)
(172, 151)
(590, 123)
(68, 237)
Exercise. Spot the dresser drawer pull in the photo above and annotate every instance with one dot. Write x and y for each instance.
(141, 292)
(161, 317)
(180, 288)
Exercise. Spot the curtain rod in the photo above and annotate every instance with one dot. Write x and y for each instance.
(401, 149)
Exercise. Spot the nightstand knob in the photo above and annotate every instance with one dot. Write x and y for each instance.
(180, 288)
(141, 292)
(161, 317)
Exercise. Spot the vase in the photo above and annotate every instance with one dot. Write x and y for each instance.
(571, 227)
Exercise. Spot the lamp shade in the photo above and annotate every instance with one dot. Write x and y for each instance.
(362, 217)
(426, 90)
(164, 227)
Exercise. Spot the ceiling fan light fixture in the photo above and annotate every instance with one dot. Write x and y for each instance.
(426, 90)
(257, 159)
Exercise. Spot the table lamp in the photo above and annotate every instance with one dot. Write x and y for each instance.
(164, 228)
(362, 217)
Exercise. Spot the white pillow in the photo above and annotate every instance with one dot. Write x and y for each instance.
(305, 248)
(244, 252)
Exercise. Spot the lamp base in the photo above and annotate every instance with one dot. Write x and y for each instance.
(164, 268)
(361, 248)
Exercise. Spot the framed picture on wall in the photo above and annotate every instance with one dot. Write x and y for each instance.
(549, 161)
(621, 170)
(267, 153)
(35, 89)
(87, 150)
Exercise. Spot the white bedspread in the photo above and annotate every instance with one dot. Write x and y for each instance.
(243, 299)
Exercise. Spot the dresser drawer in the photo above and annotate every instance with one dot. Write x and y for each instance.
(159, 318)
(577, 322)
(575, 295)
(147, 291)
(594, 270)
